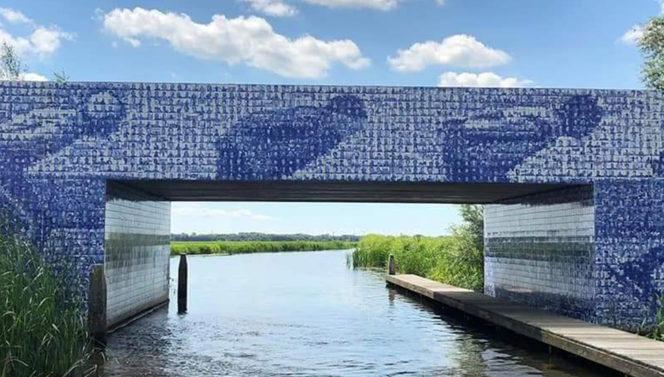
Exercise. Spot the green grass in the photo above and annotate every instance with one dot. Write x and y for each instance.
(657, 331)
(247, 247)
(40, 333)
(450, 260)
(654, 327)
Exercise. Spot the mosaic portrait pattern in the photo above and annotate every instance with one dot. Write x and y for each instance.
(60, 145)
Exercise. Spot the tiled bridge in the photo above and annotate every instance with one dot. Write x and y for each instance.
(574, 177)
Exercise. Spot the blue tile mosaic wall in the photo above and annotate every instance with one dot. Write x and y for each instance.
(61, 143)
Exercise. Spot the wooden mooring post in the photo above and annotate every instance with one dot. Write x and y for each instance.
(97, 305)
(391, 267)
(182, 284)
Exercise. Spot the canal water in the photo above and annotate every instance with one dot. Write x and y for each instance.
(307, 314)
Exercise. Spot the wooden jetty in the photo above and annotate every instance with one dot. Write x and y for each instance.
(619, 350)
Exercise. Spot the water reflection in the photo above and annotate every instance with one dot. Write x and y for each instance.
(306, 314)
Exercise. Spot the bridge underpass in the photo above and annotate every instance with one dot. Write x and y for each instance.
(580, 174)
(533, 231)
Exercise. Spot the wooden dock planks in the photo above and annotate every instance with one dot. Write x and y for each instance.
(619, 350)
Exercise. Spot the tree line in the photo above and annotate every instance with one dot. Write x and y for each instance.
(264, 237)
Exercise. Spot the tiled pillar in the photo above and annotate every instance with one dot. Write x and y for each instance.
(137, 248)
(540, 249)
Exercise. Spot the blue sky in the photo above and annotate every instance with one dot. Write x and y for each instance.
(578, 44)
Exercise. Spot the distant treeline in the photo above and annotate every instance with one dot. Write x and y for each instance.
(263, 237)
(248, 247)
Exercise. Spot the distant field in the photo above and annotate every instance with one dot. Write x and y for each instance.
(247, 247)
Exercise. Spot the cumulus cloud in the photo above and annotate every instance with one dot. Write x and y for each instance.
(633, 35)
(247, 40)
(42, 41)
(463, 51)
(485, 80)
(31, 76)
(198, 211)
(14, 16)
(275, 8)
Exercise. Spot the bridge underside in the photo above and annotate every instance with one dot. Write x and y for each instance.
(349, 192)
(541, 233)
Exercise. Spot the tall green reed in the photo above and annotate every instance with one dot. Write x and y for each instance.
(42, 332)
(450, 260)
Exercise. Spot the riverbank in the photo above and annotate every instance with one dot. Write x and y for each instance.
(457, 259)
(248, 247)
(450, 260)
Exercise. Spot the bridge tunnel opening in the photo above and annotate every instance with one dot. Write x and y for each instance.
(538, 237)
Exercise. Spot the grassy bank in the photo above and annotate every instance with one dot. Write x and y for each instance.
(40, 334)
(449, 260)
(457, 259)
(247, 247)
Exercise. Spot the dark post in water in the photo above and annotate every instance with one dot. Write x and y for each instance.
(97, 305)
(182, 284)
(391, 268)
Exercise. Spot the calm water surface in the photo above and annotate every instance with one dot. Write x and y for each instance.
(306, 314)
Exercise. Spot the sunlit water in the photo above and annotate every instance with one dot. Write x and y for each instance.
(307, 314)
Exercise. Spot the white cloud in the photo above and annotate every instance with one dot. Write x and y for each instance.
(633, 35)
(31, 76)
(14, 16)
(275, 8)
(486, 79)
(42, 41)
(47, 40)
(199, 211)
(248, 40)
(462, 51)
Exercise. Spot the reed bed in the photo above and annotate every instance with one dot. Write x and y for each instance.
(41, 333)
(248, 247)
(451, 260)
